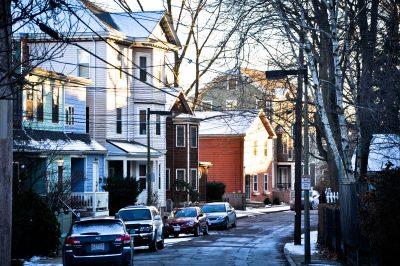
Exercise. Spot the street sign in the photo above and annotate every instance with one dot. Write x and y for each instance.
(306, 183)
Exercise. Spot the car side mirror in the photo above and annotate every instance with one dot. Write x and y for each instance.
(117, 216)
(157, 218)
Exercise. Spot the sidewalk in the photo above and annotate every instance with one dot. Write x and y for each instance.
(295, 253)
(249, 212)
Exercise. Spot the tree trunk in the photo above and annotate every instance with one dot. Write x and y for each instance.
(6, 142)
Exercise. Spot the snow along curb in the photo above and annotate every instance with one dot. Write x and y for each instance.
(256, 212)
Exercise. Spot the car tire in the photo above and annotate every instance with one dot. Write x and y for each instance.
(197, 231)
(226, 224)
(234, 224)
(153, 245)
(205, 230)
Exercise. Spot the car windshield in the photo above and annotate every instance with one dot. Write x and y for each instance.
(135, 215)
(98, 227)
(214, 208)
(188, 212)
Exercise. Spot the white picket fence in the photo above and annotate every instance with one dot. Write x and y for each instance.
(331, 197)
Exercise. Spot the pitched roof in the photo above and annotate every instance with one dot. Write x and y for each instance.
(129, 148)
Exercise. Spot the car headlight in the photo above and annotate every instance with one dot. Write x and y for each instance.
(190, 223)
(146, 228)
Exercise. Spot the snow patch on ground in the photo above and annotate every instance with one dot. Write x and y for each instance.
(292, 249)
(250, 212)
(37, 260)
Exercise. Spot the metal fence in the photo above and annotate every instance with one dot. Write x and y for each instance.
(331, 196)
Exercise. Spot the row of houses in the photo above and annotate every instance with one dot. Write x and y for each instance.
(88, 115)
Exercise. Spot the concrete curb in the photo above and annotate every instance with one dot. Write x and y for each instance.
(288, 257)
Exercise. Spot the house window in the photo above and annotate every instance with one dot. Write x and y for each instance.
(87, 119)
(266, 148)
(142, 118)
(193, 137)
(206, 105)
(255, 148)
(143, 68)
(83, 63)
(167, 179)
(284, 145)
(55, 102)
(232, 82)
(231, 104)
(29, 104)
(180, 136)
(193, 178)
(159, 176)
(120, 63)
(158, 124)
(69, 115)
(142, 176)
(180, 178)
(255, 182)
(39, 103)
(119, 120)
(265, 182)
(283, 180)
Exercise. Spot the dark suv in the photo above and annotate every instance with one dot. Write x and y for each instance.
(144, 224)
(98, 240)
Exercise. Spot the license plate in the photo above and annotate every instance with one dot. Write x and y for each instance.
(177, 228)
(97, 247)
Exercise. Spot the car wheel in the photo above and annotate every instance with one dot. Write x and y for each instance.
(234, 224)
(161, 243)
(226, 224)
(197, 231)
(205, 231)
(153, 245)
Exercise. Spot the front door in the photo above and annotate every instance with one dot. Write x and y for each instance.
(247, 186)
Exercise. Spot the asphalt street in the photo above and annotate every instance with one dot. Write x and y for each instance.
(256, 240)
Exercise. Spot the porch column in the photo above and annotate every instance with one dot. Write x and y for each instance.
(125, 168)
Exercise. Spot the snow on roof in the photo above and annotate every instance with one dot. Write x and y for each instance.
(225, 123)
(384, 148)
(132, 148)
(50, 141)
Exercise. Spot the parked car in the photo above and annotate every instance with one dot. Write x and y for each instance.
(144, 224)
(313, 196)
(98, 240)
(220, 214)
(188, 220)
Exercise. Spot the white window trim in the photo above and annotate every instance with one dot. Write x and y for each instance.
(197, 179)
(255, 177)
(176, 176)
(184, 136)
(197, 140)
(265, 182)
(167, 179)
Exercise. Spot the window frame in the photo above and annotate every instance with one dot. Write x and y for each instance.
(265, 184)
(167, 179)
(83, 64)
(69, 115)
(158, 124)
(143, 176)
(55, 116)
(195, 137)
(40, 104)
(196, 187)
(255, 183)
(184, 136)
(176, 177)
(118, 121)
(143, 69)
(142, 114)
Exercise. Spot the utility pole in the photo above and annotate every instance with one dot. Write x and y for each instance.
(148, 164)
(307, 251)
(6, 133)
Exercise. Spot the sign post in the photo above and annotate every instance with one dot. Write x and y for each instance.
(306, 186)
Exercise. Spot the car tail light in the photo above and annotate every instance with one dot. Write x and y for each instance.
(70, 241)
(126, 239)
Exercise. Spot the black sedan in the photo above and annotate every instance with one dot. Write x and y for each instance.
(98, 240)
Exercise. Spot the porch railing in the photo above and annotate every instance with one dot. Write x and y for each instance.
(97, 201)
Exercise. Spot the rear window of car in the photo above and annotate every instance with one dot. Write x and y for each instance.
(214, 208)
(103, 227)
(135, 215)
(188, 212)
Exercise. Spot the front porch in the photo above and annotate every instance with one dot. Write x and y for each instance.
(90, 203)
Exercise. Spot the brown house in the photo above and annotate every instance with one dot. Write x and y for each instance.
(182, 151)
